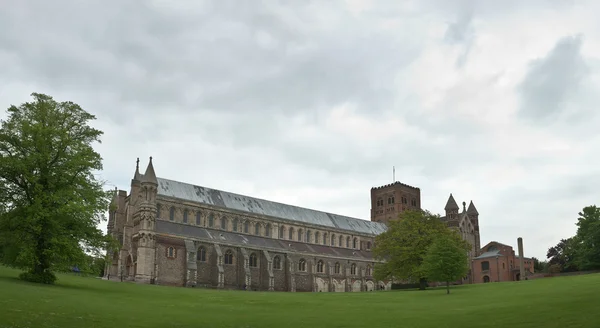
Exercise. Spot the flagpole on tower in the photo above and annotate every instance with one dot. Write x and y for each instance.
(394, 173)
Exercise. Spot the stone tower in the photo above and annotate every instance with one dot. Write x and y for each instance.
(451, 208)
(144, 222)
(474, 217)
(387, 202)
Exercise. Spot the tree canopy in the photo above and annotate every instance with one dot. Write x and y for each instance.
(588, 238)
(402, 248)
(446, 259)
(50, 199)
(582, 251)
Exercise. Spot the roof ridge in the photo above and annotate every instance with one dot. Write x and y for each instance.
(362, 221)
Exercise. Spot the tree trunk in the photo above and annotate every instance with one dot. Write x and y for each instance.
(422, 284)
(447, 287)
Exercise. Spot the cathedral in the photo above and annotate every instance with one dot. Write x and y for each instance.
(180, 234)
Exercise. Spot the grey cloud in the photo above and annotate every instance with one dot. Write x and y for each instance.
(553, 80)
(461, 32)
(213, 59)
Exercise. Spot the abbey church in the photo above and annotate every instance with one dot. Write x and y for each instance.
(180, 234)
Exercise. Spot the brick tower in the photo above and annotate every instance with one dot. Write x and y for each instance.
(387, 202)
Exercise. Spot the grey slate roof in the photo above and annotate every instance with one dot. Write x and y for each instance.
(489, 254)
(253, 205)
(472, 209)
(250, 241)
(451, 204)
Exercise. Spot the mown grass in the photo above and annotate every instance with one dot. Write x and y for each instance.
(90, 302)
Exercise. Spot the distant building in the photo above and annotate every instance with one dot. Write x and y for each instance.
(498, 262)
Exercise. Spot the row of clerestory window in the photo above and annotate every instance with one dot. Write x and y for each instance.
(247, 227)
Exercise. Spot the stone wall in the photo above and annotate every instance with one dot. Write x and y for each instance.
(173, 270)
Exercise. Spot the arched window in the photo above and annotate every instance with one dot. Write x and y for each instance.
(320, 266)
(332, 239)
(348, 242)
(485, 265)
(235, 224)
(355, 243)
(277, 263)
(308, 236)
(281, 232)
(246, 227)
(291, 234)
(353, 269)
(268, 230)
(170, 252)
(211, 220)
(338, 267)
(229, 257)
(302, 265)
(317, 237)
(300, 233)
(201, 255)
(341, 241)
(158, 208)
(253, 260)
(368, 270)
(325, 238)
(368, 245)
(224, 223)
(257, 228)
(185, 216)
(198, 216)
(172, 214)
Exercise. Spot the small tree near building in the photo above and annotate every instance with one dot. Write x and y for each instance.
(446, 259)
(402, 247)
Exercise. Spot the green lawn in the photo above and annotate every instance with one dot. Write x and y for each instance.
(89, 302)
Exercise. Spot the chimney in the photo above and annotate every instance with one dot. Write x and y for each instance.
(521, 259)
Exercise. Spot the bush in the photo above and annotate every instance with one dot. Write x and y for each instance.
(46, 277)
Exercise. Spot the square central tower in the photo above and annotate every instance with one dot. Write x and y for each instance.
(387, 202)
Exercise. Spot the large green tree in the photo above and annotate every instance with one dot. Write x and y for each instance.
(402, 248)
(446, 259)
(588, 238)
(50, 200)
(562, 257)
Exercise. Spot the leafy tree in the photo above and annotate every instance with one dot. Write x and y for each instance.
(539, 266)
(588, 238)
(403, 246)
(563, 255)
(446, 259)
(50, 200)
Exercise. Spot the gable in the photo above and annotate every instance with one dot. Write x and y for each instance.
(247, 204)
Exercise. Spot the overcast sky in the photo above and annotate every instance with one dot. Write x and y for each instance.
(312, 103)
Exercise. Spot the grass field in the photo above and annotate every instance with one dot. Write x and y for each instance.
(90, 302)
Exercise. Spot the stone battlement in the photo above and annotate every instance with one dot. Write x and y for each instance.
(395, 183)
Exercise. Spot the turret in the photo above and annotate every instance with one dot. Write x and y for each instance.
(145, 220)
(135, 182)
(474, 217)
(112, 212)
(451, 208)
